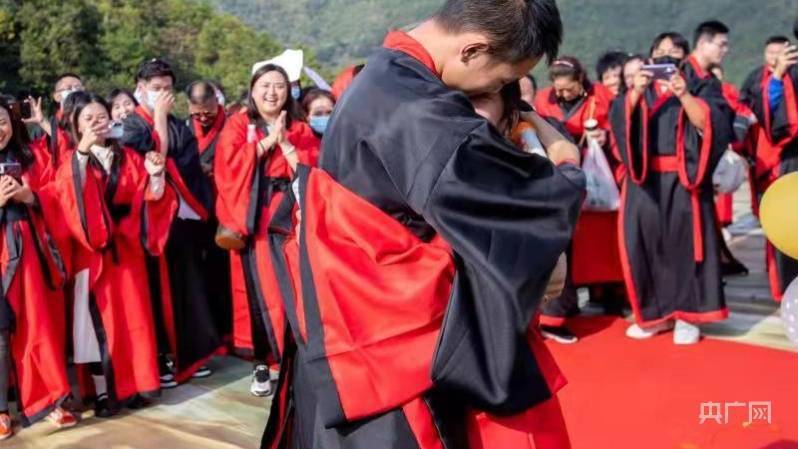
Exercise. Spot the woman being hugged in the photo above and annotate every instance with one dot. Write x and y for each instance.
(255, 160)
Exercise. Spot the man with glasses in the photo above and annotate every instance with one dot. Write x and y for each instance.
(711, 45)
(206, 120)
(48, 128)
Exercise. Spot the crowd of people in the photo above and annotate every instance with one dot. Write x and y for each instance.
(139, 245)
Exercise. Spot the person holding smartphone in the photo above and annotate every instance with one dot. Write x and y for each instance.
(31, 300)
(52, 132)
(670, 141)
(117, 207)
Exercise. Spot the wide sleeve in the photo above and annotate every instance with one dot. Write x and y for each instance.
(184, 152)
(784, 119)
(630, 136)
(235, 178)
(508, 217)
(699, 151)
(150, 216)
(137, 135)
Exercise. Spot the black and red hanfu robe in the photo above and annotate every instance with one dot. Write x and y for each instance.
(410, 282)
(183, 313)
(114, 221)
(775, 149)
(670, 246)
(31, 298)
(249, 190)
(216, 261)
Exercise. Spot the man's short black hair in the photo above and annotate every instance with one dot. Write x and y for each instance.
(67, 75)
(200, 92)
(155, 67)
(608, 61)
(780, 39)
(517, 29)
(795, 29)
(677, 39)
(710, 29)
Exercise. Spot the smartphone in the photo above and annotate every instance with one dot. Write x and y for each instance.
(25, 109)
(115, 130)
(661, 71)
(13, 169)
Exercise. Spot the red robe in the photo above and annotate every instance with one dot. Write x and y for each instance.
(595, 257)
(248, 192)
(207, 140)
(113, 220)
(33, 274)
(343, 81)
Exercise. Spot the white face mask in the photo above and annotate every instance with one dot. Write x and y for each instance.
(151, 98)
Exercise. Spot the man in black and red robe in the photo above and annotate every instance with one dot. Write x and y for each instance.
(422, 250)
(183, 316)
(771, 93)
(206, 119)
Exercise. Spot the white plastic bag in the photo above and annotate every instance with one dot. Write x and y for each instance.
(602, 192)
(730, 173)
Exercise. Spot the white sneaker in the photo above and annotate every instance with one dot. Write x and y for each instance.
(686, 333)
(642, 333)
(261, 384)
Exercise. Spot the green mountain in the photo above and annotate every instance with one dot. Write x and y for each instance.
(343, 31)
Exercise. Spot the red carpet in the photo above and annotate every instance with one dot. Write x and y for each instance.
(626, 394)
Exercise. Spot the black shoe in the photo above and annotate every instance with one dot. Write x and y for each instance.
(139, 402)
(102, 408)
(560, 334)
(166, 367)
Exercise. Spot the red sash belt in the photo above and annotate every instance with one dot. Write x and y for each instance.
(670, 164)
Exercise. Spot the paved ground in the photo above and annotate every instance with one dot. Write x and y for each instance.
(219, 413)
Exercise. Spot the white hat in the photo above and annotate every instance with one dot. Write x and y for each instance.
(290, 60)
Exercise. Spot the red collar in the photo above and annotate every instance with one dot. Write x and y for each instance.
(216, 126)
(703, 74)
(401, 41)
(142, 111)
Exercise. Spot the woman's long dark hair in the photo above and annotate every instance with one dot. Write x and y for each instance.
(290, 106)
(511, 106)
(80, 101)
(121, 91)
(571, 67)
(313, 94)
(18, 146)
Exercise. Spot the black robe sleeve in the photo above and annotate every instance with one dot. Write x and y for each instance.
(508, 216)
(183, 149)
(137, 135)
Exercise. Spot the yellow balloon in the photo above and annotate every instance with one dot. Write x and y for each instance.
(778, 214)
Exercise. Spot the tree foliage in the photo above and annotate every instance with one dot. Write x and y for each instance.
(106, 40)
(346, 31)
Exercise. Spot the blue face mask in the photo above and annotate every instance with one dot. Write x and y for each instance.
(296, 92)
(319, 123)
